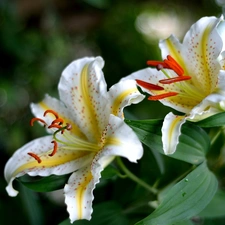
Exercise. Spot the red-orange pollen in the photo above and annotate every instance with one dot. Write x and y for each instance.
(162, 96)
(54, 148)
(56, 123)
(36, 157)
(169, 63)
(149, 86)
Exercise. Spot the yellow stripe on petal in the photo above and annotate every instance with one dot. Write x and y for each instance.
(171, 131)
(175, 53)
(62, 157)
(80, 192)
(88, 110)
(206, 76)
(119, 100)
(112, 141)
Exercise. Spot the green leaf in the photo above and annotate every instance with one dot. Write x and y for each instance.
(185, 199)
(216, 120)
(193, 141)
(186, 222)
(109, 172)
(44, 184)
(215, 208)
(32, 205)
(109, 213)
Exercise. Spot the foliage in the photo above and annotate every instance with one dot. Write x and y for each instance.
(35, 47)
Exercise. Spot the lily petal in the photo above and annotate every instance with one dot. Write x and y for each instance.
(200, 49)
(221, 30)
(121, 141)
(171, 131)
(79, 192)
(124, 94)
(82, 88)
(172, 46)
(63, 162)
(202, 59)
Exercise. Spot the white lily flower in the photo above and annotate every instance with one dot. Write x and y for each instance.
(86, 131)
(191, 79)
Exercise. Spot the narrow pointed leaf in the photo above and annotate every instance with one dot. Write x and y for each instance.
(45, 184)
(193, 142)
(185, 199)
(216, 120)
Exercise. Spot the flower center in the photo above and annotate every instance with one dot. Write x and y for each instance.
(178, 85)
(63, 136)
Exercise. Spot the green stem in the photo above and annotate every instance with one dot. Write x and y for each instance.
(217, 135)
(135, 178)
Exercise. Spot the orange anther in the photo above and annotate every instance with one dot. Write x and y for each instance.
(149, 86)
(55, 126)
(169, 63)
(174, 79)
(156, 63)
(54, 148)
(52, 112)
(36, 157)
(173, 65)
(37, 119)
(58, 121)
(162, 96)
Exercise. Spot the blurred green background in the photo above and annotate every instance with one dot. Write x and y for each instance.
(39, 38)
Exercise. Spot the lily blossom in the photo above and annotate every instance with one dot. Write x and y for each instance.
(190, 79)
(86, 131)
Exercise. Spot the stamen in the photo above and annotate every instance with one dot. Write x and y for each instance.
(58, 121)
(149, 86)
(174, 65)
(36, 157)
(55, 126)
(54, 149)
(52, 112)
(37, 119)
(162, 96)
(174, 79)
(156, 63)
(169, 63)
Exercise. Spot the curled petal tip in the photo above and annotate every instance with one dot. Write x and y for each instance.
(10, 190)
